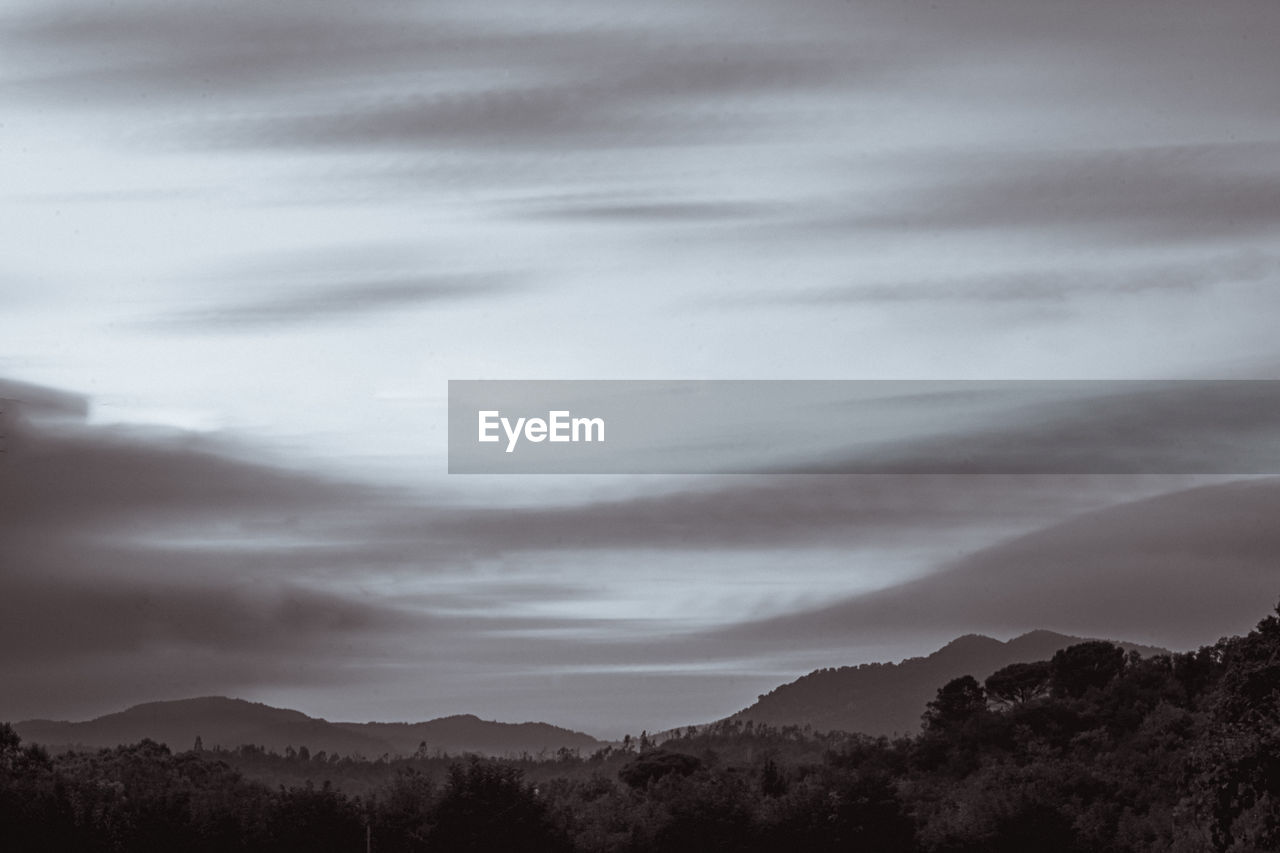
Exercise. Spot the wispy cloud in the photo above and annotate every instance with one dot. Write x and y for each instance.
(135, 52)
(624, 211)
(983, 158)
(1180, 569)
(464, 78)
(144, 563)
(1042, 285)
(328, 301)
(1137, 195)
(1083, 428)
(94, 610)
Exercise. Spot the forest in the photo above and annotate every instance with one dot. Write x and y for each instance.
(1093, 750)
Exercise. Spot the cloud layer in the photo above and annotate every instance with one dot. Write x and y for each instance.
(143, 564)
(297, 220)
(1179, 570)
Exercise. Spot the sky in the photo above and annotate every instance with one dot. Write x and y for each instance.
(253, 242)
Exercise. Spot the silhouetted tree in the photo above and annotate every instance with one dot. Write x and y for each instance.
(958, 701)
(1078, 668)
(772, 782)
(1250, 686)
(655, 764)
(1019, 683)
(486, 806)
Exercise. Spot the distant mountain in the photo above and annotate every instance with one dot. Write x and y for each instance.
(229, 723)
(468, 733)
(888, 698)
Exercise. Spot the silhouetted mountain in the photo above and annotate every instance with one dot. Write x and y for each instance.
(888, 698)
(468, 733)
(230, 723)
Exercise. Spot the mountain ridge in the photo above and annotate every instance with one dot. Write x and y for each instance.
(878, 698)
(229, 723)
(888, 698)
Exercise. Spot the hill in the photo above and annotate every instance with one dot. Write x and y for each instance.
(229, 723)
(888, 698)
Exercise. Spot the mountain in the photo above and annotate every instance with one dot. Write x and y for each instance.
(468, 733)
(219, 721)
(888, 698)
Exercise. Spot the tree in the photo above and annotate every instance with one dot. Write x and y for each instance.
(486, 807)
(1019, 683)
(958, 701)
(655, 764)
(867, 814)
(772, 782)
(1250, 687)
(1078, 668)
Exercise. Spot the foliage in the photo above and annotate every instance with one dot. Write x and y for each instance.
(959, 701)
(1019, 683)
(653, 765)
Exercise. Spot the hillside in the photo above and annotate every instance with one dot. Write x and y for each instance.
(888, 698)
(219, 721)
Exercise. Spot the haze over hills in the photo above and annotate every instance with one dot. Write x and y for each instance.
(888, 698)
(229, 723)
(875, 698)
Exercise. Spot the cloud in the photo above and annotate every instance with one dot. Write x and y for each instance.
(1177, 570)
(1132, 195)
(52, 618)
(658, 99)
(139, 565)
(745, 513)
(314, 75)
(329, 283)
(141, 53)
(1043, 285)
(1082, 427)
(140, 552)
(92, 599)
(1002, 124)
(81, 478)
(20, 400)
(631, 212)
(329, 301)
